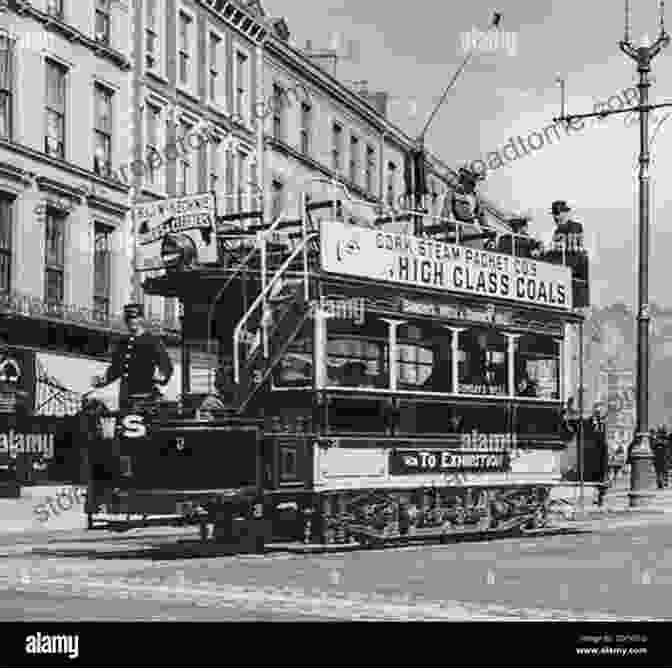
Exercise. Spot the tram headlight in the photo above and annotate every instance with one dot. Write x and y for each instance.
(178, 252)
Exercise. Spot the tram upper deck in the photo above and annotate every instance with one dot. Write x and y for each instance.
(389, 303)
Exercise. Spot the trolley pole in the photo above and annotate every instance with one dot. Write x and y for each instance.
(641, 455)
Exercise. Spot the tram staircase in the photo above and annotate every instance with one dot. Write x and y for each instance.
(278, 313)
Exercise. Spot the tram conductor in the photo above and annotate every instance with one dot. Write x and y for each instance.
(136, 362)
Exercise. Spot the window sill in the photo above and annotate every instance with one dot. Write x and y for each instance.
(157, 75)
(154, 192)
(217, 108)
(188, 92)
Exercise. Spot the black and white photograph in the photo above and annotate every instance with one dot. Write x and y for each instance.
(335, 311)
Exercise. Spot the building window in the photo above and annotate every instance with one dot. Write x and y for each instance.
(256, 196)
(277, 198)
(214, 167)
(306, 127)
(170, 311)
(482, 362)
(336, 146)
(215, 43)
(391, 183)
(354, 159)
(241, 165)
(152, 45)
(370, 168)
(278, 112)
(54, 142)
(102, 270)
(6, 224)
(185, 53)
(54, 261)
(6, 85)
(184, 166)
(153, 125)
(103, 21)
(241, 86)
(102, 130)
(55, 8)
(537, 367)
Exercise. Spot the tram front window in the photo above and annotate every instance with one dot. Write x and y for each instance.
(359, 361)
(482, 362)
(296, 366)
(538, 367)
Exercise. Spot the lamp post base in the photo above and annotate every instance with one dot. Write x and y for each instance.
(641, 474)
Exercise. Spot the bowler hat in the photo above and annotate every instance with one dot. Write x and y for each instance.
(559, 206)
(133, 310)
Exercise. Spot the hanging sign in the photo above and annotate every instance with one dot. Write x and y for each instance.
(183, 226)
(428, 263)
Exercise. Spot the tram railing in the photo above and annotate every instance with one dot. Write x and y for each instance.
(260, 299)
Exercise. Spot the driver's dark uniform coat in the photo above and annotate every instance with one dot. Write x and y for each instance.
(135, 361)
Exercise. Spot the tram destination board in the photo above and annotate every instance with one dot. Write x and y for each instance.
(404, 462)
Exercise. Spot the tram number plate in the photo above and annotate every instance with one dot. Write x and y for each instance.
(437, 461)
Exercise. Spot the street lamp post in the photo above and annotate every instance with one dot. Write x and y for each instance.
(641, 455)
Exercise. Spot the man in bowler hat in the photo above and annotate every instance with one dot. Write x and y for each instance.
(568, 234)
(135, 362)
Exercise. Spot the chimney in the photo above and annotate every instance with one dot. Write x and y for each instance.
(309, 45)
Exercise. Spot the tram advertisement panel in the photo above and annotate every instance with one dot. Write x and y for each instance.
(427, 263)
(437, 461)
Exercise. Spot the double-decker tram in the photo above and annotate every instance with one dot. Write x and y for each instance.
(404, 378)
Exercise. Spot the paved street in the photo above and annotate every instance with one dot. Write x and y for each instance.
(620, 570)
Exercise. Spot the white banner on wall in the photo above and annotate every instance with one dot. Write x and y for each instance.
(428, 263)
(75, 374)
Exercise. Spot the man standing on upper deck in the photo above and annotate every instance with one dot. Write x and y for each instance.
(465, 204)
(135, 362)
(568, 234)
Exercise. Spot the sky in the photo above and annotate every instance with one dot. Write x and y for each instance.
(412, 51)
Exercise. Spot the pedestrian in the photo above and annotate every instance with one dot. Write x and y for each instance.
(660, 457)
(136, 361)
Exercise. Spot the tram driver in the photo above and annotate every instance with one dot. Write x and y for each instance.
(136, 363)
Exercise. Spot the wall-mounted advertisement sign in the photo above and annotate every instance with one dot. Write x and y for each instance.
(17, 380)
(428, 263)
(180, 229)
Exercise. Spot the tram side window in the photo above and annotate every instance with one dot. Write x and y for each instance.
(482, 362)
(423, 358)
(538, 367)
(296, 366)
(357, 361)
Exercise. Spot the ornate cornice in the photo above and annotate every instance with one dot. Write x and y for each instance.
(64, 165)
(23, 7)
(14, 173)
(313, 164)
